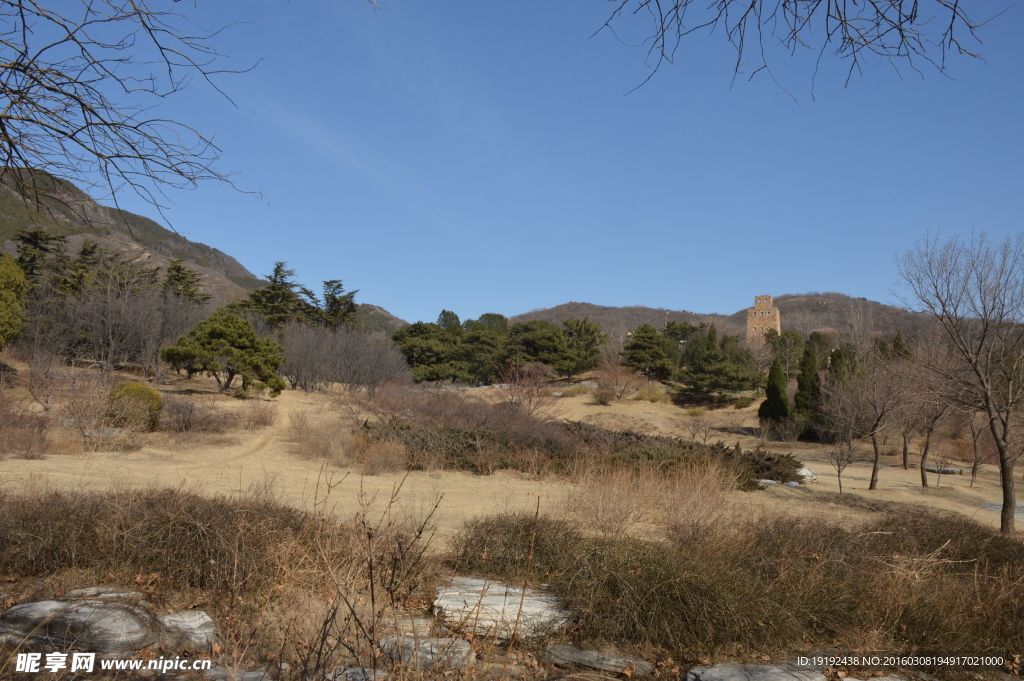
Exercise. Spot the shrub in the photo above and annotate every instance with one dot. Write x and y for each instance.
(258, 414)
(182, 415)
(743, 402)
(134, 406)
(650, 393)
(575, 391)
(912, 581)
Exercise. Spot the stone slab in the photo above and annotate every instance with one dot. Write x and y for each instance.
(489, 608)
(753, 672)
(568, 656)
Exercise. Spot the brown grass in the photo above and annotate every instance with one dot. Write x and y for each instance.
(912, 581)
(258, 414)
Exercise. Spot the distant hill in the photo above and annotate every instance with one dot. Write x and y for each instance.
(803, 312)
(377, 319)
(79, 217)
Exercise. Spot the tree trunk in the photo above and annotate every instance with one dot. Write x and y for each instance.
(1007, 516)
(906, 452)
(924, 457)
(877, 463)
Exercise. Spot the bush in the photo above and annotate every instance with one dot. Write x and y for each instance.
(912, 581)
(182, 415)
(134, 406)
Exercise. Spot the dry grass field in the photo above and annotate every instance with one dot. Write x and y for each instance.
(296, 503)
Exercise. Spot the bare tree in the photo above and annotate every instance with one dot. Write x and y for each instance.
(840, 455)
(700, 428)
(895, 30)
(79, 80)
(974, 290)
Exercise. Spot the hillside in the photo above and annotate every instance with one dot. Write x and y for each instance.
(803, 312)
(78, 217)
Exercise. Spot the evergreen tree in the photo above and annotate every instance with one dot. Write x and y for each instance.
(808, 394)
(584, 339)
(900, 349)
(842, 364)
(645, 351)
(710, 370)
(449, 322)
(35, 248)
(538, 341)
(776, 404)
(183, 282)
(490, 320)
(13, 287)
(226, 347)
(432, 353)
(338, 308)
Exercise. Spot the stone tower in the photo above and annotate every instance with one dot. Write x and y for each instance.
(760, 318)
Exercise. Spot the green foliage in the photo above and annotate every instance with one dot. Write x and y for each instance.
(776, 404)
(808, 394)
(900, 348)
(646, 352)
(35, 248)
(449, 322)
(134, 405)
(226, 347)
(584, 339)
(480, 351)
(842, 364)
(13, 286)
(432, 353)
(283, 299)
(710, 370)
(538, 342)
(492, 321)
(184, 282)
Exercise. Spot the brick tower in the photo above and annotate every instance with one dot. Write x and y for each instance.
(760, 318)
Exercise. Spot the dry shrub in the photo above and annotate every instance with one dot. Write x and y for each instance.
(85, 407)
(316, 437)
(909, 581)
(615, 381)
(575, 391)
(651, 393)
(696, 412)
(617, 502)
(382, 457)
(195, 415)
(24, 432)
(603, 396)
(258, 414)
(282, 584)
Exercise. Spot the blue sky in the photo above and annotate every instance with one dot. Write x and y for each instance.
(490, 157)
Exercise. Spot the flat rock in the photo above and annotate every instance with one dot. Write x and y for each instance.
(497, 670)
(420, 627)
(188, 629)
(104, 593)
(216, 673)
(84, 625)
(488, 608)
(428, 653)
(945, 470)
(766, 482)
(355, 674)
(807, 475)
(753, 672)
(568, 656)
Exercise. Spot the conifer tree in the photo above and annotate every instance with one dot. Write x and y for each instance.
(776, 404)
(184, 282)
(808, 394)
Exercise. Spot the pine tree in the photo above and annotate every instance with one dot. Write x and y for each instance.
(776, 404)
(645, 352)
(184, 282)
(900, 349)
(808, 394)
(584, 340)
(226, 347)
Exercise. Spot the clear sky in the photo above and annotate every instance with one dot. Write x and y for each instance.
(490, 157)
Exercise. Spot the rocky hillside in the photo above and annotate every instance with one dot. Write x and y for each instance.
(78, 217)
(804, 313)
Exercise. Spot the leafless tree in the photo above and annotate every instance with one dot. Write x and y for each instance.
(974, 290)
(318, 356)
(700, 428)
(840, 455)
(79, 80)
(895, 30)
